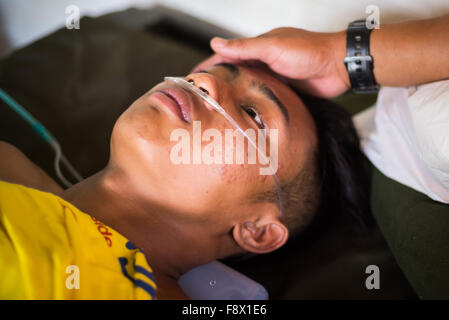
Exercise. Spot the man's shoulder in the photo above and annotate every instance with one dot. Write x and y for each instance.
(15, 167)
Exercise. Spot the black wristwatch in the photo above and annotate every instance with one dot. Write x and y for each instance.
(358, 60)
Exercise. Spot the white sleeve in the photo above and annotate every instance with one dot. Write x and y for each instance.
(406, 136)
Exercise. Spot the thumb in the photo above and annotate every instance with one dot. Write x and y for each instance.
(243, 48)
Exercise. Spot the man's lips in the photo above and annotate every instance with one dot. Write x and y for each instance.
(177, 101)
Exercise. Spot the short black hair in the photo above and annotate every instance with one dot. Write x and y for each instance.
(341, 163)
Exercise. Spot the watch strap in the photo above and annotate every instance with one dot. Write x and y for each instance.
(358, 60)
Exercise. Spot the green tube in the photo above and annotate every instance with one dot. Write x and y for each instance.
(36, 125)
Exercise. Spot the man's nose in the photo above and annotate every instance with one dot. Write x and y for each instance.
(206, 83)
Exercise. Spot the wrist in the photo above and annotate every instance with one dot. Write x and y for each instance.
(338, 50)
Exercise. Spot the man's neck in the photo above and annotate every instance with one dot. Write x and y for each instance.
(170, 248)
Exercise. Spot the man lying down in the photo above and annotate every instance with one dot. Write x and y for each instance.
(132, 229)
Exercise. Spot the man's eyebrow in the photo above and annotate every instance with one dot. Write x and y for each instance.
(230, 67)
(267, 92)
(262, 87)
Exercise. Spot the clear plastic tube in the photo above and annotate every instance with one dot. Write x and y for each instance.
(59, 157)
(214, 104)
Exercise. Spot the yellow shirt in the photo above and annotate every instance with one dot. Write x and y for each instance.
(51, 250)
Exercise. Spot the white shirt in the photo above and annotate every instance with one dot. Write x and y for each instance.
(406, 136)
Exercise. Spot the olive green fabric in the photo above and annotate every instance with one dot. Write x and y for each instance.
(417, 231)
(77, 82)
(355, 103)
(415, 226)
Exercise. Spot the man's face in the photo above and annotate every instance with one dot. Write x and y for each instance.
(141, 145)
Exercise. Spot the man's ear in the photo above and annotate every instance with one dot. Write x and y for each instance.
(262, 236)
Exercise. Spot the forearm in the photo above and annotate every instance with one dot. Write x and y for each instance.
(408, 53)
